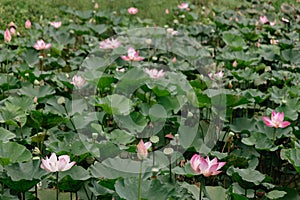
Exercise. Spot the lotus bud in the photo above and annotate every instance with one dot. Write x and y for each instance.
(28, 24)
(142, 149)
(268, 69)
(154, 173)
(155, 170)
(36, 151)
(190, 114)
(170, 30)
(148, 41)
(284, 101)
(231, 134)
(95, 136)
(174, 59)
(154, 58)
(230, 86)
(36, 82)
(7, 36)
(234, 64)
(35, 100)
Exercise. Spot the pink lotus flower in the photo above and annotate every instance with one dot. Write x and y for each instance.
(7, 36)
(169, 136)
(183, 6)
(35, 100)
(40, 45)
(53, 165)
(154, 73)
(142, 149)
(172, 31)
(257, 44)
(263, 19)
(217, 76)
(28, 24)
(234, 64)
(96, 6)
(273, 23)
(132, 10)
(206, 166)
(273, 41)
(174, 60)
(133, 55)
(276, 120)
(55, 24)
(12, 30)
(110, 44)
(78, 81)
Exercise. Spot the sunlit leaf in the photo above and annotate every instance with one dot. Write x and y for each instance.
(275, 194)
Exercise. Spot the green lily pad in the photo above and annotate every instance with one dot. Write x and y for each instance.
(6, 135)
(38, 91)
(275, 194)
(248, 175)
(234, 41)
(113, 168)
(115, 104)
(150, 189)
(293, 156)
(12, 152)
(25, 171)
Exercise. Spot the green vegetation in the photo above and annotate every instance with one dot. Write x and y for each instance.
(207, 106)
(21, 10)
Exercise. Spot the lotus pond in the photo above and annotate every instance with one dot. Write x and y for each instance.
(101, 104)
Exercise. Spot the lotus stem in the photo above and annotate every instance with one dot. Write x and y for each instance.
(170, 168)
(86, 193)
(153, 152)
(202, 188)
(36, 191)
(140, 180)
(57, 190)
(274, 134)
(64, 105)
(200, 191)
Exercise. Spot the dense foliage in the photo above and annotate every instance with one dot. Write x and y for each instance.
(138, 107)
